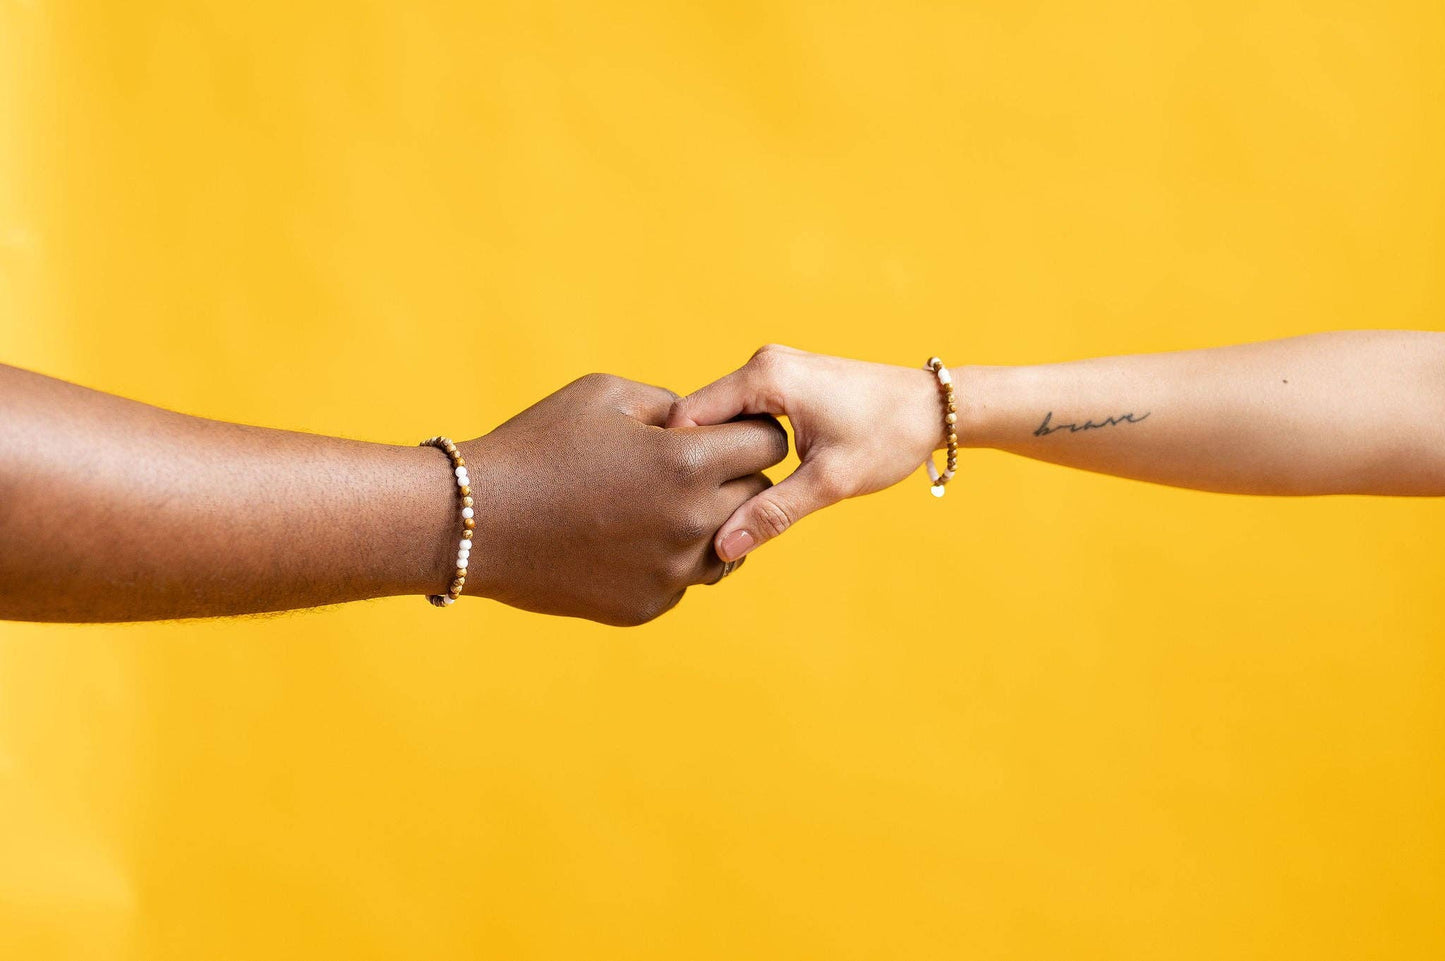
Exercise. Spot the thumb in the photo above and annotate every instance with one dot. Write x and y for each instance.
(717, 403)
(754, 388)
(771, 512)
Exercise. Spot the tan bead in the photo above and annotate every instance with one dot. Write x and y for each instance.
(466, 490)
(466, 500)
(466, 535)
(459, 462)
(952, 438)
(468, 523)
(951, 417)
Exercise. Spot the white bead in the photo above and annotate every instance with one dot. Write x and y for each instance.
(461, 472)
(944, 377)
(938, 490)
(465, 551)
(468, 513)
(461, 563)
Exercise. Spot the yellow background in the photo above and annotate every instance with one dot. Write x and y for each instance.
(1053, 716)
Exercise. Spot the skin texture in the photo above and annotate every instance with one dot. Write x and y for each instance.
(621, 540)
(115, 510)
(1350, 412)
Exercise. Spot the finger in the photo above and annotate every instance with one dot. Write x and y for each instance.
(773, 511)
(716, 569)
(725, 452)
(650, 404)
(735, 493)
(643, 402)
(730, 497)
(751, 389)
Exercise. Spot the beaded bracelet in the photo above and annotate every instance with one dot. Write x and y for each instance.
(464, 551)
(950, 426)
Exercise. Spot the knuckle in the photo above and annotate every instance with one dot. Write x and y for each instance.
(629, 617)
(685, 459)
(772, 351)
(599, 382)
(690, 527)
(679, 570)
(832, 483)
(777, 437)
(651, 609)
(767, 357)
(773, 518)
(770, 368)
(682, 407)
(631, 613)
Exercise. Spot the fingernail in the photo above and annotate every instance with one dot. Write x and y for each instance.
(735, 545)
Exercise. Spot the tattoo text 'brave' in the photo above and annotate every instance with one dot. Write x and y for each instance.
(1046, 428)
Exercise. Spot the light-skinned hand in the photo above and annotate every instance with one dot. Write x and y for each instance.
(858, 427)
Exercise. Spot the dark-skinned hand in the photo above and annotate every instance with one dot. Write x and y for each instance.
(588, 507)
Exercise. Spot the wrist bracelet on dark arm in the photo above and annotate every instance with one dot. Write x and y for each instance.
(464, 551)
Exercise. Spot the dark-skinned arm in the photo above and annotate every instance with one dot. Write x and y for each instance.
(115, 510)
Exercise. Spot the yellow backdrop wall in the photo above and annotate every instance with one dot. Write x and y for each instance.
(1117, 721)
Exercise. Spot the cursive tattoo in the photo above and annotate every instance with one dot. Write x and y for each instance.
(1045, 429)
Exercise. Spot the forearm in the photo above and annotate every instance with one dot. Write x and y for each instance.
(115, 510)
(1347, 412)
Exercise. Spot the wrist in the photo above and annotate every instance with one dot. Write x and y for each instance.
(976, 392)
(982, 394)
(425, 563)
(922, 412)
(492, 477)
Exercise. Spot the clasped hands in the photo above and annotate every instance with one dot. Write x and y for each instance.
(609, 498)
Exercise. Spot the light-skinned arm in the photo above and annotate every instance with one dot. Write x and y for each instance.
(1350, 412)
